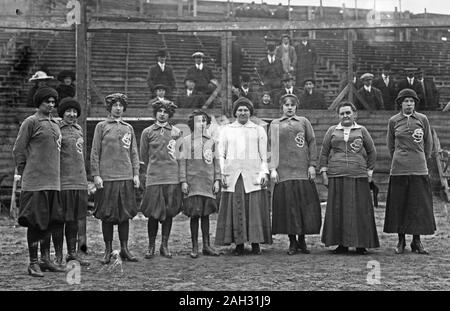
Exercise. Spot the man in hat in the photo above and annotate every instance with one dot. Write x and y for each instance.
(66, 88)
(286, 53)
(246, 90)
(40, 79)
(160, 91)
(368, 95)
(270, 70)
(202, 74)
(161, 73)
(189, 97)
(386, 84)
(288, 87)
(311, 98)
(410, 82)
(306, 58)
(430, 99)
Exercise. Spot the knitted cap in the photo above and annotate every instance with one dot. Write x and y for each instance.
(243, 101)
(67, 103)
(44, 93)
(406, 93)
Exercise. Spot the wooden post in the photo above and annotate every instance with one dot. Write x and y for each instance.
(81, 65)
(229, 82)
(350, 63)
(224, 63)
(195, 8)
(180, 8)
(321, 9)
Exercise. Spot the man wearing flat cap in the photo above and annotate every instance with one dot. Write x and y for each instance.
(161, 73)
(286, 53)
(410, 82)
(202, 74)
(386, 84)
(270, 70)
(311, 98)
(288, 87)
(368, 95)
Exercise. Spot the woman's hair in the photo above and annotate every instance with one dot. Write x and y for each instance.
(195, 113)
(166, 104)
(345, 104)
(116, 97)
(285, 97)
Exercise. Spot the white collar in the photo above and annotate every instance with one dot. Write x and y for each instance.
(245, 89)
(384, 76)
(248, 124)
(161, 64)
(368, 88)
(354, 126)
(199, 66)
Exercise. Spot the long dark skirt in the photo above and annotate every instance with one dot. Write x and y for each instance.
(40, 209)
(349, 217)
(199, 205)
(296, 208)
(409, 205)
(74, 204)
(243, 217)
(161, 201)
(116, 202)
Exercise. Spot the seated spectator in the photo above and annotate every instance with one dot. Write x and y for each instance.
(202, 74)
(311, 98)
(160, 91)
(246, 90)
(386, 84)
(266, 101)
(189, 97)
(40, 79)
(430, 98)
(66, 88)
(288, 87)
(369, 94)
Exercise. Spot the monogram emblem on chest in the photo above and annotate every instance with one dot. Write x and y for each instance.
(126, 140)
(79, 145)
(356, 145)
(300, 139)
(417, 135)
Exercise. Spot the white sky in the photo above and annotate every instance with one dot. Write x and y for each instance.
(415, 6)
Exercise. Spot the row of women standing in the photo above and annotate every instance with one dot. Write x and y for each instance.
(238, 165)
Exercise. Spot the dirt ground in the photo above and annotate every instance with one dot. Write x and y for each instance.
(274, 270)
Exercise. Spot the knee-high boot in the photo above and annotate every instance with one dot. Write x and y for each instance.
(124, 228)
(33, 244)
(107, 230)
(58, 242)
(46, 264)
(71, 241)
(166, 227)
(152, 229)
(207, 249)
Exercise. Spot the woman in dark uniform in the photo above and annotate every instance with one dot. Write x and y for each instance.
(74, 196)
(162, 196)
(115, 167)
(37, 156)
(409, 204)
(347, 160)
(296, 204)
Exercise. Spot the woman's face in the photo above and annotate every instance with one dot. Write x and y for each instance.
(200, 123)
(346, 116)
(47, 106)
(408, 105)
(70, 115)
(117, 109)
(242, 114)
(162, 115)
(289, 107)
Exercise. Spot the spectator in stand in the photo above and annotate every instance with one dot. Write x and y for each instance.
(161, 73)
(66, 88)
(306, 59)
(266, 101)
(189, 97)
(368, 94)
(386, 84)
(203, 75)
(410, 82)
(270, 70)
(430, 99)
(265, 10)
(286, 53)
(160, 91)
(40, 79)
(246, 90)
(281, 12)
(288, 87)
(311, 98)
